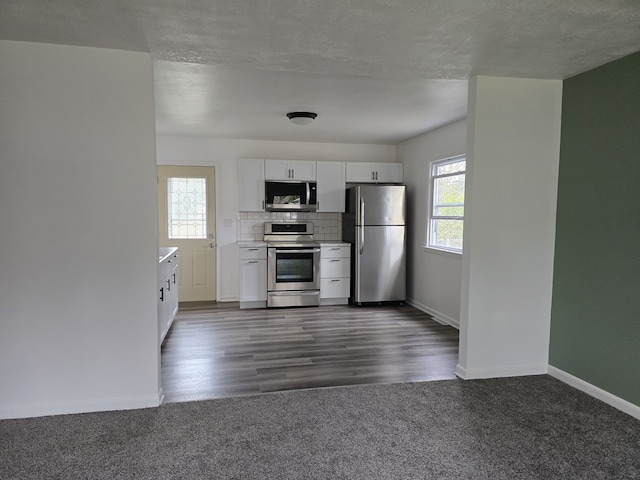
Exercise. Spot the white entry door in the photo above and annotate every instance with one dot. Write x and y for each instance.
(186, 219)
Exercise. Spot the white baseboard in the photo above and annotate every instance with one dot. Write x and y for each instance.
(500, 372)
(461, 372)
(608, 398)
(229, 298)
(63, 408)
(334, 301)
(437, 316)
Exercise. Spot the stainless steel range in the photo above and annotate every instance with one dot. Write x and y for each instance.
(293, 264)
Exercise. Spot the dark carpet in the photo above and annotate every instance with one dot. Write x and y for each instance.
(514, 428)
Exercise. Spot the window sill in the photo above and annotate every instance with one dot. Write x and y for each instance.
(442, 251)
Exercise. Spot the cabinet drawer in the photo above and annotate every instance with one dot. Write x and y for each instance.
(334, 267)
(167, 266)
(253, 253)
(334, 287)
(336, 252)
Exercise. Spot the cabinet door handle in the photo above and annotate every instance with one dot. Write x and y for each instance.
(253, 261)
(162, 294)
(253, 249)
(336, 260)
(335, 248)
(168, 285)
(174, 278)
(335, 280)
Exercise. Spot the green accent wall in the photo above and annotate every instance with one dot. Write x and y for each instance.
(595, 314)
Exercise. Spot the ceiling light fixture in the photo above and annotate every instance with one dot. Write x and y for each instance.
(302, 118)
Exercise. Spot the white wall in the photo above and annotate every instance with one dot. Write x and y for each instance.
(224, 154)
(78, 236)
(433, 277)
(511, 185)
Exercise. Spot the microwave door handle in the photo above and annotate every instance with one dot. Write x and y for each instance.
(308, 193)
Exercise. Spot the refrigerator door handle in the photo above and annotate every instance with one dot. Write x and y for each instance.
(361, 225)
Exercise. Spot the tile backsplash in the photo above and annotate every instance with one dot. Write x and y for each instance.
(326, 226)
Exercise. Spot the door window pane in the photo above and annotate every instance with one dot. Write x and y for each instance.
(187, 208)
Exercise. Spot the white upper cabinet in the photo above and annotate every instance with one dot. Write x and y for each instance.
(388, 172)
(290, 170)
(364, 172)
(251, 185)
(330, 186)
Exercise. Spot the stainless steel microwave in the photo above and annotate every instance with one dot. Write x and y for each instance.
(293, 196)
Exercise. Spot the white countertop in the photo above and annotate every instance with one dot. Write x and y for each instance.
(166, 252)
(250, 244)
(326, 243)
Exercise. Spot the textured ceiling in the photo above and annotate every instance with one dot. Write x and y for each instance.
(376, 71)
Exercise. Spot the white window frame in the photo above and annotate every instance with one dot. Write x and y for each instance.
(430, 240)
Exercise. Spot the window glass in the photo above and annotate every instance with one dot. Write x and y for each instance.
(446, 212)
(187, 208)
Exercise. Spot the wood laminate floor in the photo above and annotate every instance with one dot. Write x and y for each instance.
(217, 350)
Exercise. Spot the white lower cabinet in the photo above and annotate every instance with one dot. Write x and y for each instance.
(253, 277)
(167, 293)
(335, 274)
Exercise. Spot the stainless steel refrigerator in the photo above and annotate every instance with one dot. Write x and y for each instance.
(374, 225)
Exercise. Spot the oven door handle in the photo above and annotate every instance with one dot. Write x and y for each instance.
(303, 250)
(294, 293)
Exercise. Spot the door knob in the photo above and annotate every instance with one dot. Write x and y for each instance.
(212, 245)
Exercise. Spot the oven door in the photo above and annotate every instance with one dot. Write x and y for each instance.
(293, 268)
